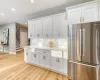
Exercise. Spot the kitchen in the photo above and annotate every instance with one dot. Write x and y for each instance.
(63, 42)
(81, 41)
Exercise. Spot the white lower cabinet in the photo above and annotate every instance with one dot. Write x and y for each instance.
(35, 58)
(57, 64)
(45, 59)
(53, 60)
(27, 57)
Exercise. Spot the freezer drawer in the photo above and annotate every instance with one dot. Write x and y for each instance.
(81, 72)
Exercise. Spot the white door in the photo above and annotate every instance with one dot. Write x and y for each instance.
(23, 39)
(74, 15)
(30, 29)
(38, 28)
(47, 27)
(90, 13)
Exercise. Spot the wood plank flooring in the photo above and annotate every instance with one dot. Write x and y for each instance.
(13, 67)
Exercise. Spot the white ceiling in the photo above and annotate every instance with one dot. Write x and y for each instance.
(26, 10)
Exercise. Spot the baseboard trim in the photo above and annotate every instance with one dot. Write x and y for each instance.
(12, 53)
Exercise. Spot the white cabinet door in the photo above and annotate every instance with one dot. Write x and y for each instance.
(60, 26)
(57, 61)
(45, 59)
(35, 57)
(47, 27)
(74, 15)
(57, 64)
(90, 13)
(38, 28)
(27, 56)
(30, 29)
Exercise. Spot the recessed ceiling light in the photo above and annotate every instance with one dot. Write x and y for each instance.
(32, 1)
(13, 9)
(2, 14)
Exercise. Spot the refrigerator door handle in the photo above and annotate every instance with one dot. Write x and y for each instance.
(97, 46)
(83, 42)
(80, 43)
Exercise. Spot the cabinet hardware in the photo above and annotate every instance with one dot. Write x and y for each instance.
(46, 35)
(57, 60)
(83, 19)
(80, 19)
(44, 57)
(38, 35)
(34, 55)
(26, 53)
(30, 35)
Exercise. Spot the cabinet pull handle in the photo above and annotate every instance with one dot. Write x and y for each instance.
(80, 19)
(34, 55)
(30, 35)
(44, 57)
(46, 35)
(26, 53)
(83, 19)
(38, 35)
(57, 60)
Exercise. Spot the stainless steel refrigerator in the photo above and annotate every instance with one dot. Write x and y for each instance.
(84, 47)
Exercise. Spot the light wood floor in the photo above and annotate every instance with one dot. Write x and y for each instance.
(13, 67)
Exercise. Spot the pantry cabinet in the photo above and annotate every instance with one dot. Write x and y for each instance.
(87, 12)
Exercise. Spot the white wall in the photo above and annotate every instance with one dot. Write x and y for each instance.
(11, 48)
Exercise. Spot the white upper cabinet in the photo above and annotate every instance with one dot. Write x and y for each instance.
(54, 26)
(59, 26)
(90, 13)
(87, 12)
(30, 29)
(47, 27)
(38, 32)
(74, 15)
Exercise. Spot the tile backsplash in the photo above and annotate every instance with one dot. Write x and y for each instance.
(45, 42)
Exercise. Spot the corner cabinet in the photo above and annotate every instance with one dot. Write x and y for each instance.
(87, 12)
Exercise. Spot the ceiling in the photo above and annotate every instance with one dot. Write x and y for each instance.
(26, 10)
